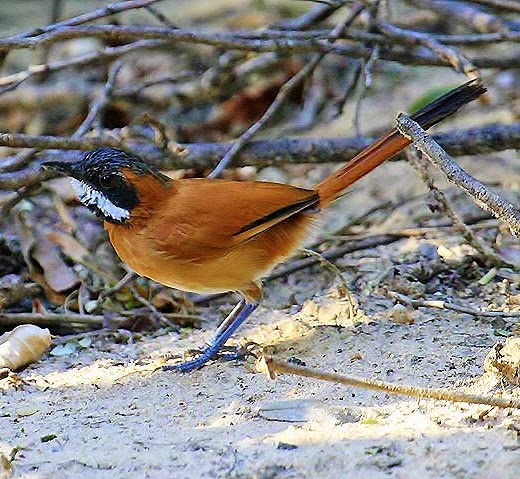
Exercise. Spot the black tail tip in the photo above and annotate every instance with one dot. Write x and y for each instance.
(449, 103)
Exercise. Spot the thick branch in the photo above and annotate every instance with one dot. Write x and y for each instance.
(263, 153)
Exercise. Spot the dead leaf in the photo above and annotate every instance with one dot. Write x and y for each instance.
(70, 246)
(46, 267)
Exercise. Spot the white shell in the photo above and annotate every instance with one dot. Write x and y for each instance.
(23, 345)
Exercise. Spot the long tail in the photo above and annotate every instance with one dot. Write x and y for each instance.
(386, 147)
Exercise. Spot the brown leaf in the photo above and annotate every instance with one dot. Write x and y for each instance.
(70, 246)
(46, 267)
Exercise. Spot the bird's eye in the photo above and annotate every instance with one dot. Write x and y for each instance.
(108, 180)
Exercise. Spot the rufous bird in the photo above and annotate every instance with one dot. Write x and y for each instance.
(211, 235)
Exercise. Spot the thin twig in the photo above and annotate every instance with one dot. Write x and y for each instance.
(107, 10)
(344, 289)
(232, 42)
(100, 104)
(155, 312)
(90, 321)
(505, 5)
(274, 367)
(456, 59)
(440, 304)
(108, 53)
(475, 18)
(487, 253)
(480, 194)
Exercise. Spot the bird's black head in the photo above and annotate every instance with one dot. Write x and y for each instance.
(101, 183)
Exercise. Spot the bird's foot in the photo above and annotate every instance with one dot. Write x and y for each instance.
(202, 356)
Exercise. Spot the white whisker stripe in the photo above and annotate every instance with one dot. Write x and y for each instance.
(91, 197)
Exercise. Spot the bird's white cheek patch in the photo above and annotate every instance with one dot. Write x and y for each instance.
(91, 197)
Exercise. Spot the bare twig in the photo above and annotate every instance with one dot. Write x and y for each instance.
(481, 195)
(107, 53)
(100, 104)
(421, 166)
(505, 5)
(232, 42)
(372, 37)
(88, 321)
(261, 153)
(155, 312)
(469, 15)
(440, 304)
(107, 10)
(344, 289)
(366, 69)
(456, 59)
(274, 367)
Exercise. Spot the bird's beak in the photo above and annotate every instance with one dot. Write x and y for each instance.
(62, 167)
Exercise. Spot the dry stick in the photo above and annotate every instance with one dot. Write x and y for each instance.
(282, 95)
(344, 289)
(55, 319)
(100, 104)
(485, 251)
(233, 42)
(480, 194)
(161, 17)
(92, 321)
(367, 75)
(12, 81)
(475, 18)
(259, 153)
(56, 11)
(107, 10)
(440, 304)
(371, 37)
(318, 14)
(367, 65)
(456, 59)
(155, 312)
(505, 5)
(273, 367)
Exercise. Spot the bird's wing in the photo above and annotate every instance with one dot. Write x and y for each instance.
(221, 214)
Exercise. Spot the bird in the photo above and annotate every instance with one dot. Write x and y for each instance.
(207, 235)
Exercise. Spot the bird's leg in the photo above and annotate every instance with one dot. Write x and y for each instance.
(237, 316)
(226, 321)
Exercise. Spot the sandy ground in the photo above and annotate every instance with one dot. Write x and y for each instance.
(102, 412)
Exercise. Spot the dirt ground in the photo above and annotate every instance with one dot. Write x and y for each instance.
(103, 412)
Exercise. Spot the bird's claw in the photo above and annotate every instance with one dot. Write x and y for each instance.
(199, 357)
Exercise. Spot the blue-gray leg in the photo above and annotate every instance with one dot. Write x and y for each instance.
(226, 329)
